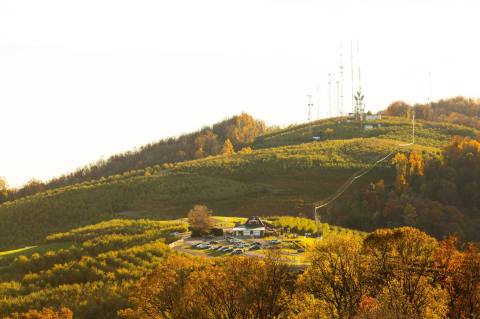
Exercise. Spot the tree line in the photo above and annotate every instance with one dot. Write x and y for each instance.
(457, 110)
(391, 273)
(438, 195)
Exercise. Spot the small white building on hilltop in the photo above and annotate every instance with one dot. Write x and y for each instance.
(254, 226)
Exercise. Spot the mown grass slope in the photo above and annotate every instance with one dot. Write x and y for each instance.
(435, 134)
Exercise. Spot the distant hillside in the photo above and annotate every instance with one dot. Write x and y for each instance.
(240, 130)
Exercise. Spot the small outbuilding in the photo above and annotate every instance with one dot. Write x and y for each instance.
(253, 227)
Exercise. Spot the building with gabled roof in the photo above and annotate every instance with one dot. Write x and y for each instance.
(253, 227)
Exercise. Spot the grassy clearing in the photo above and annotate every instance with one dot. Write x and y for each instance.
(41, 249)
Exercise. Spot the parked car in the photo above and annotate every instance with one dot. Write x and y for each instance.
(275, 241)
(300, 250)
(237, 252)
(254, 247)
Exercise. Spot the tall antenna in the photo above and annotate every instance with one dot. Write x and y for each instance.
(318, 103)
(310, 106)
(352, 76)
(338, 98)
(329, 95)
(340, 81)
(359, 97)
(430, 85)
(358, 65)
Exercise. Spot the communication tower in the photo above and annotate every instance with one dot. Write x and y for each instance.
(310, 106)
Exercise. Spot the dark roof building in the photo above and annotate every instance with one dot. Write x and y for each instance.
(254, 226)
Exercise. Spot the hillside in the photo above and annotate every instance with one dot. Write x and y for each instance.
(283, 180)
(428, 133)
(90, 270)
(285, 174)
(240, 130)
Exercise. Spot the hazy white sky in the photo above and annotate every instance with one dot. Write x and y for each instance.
(85, 79)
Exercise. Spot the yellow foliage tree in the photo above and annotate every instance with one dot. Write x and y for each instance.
(400, 161)
(200, 219)
(228, 148)
(46, 313)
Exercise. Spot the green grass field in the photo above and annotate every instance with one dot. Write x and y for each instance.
(40, 249)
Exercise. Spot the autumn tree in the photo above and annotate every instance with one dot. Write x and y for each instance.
(337, 275)
(402, 259)
(400, 161)
(234, 287)
(241, 130)
(228, 148)
(46, 313)
(242, 287)
(3, 189)
(161, 294)
(459, 273)
(200, 219)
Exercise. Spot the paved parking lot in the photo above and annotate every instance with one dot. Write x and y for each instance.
(226, 246)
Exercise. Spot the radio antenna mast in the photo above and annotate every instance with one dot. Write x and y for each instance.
(338, 113)
(329, 95)
(318, 102)
(341, 82)
(310, 106)
(352, 76)
(430, 85)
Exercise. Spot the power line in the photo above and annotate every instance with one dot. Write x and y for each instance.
(342, 189)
